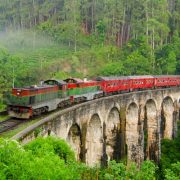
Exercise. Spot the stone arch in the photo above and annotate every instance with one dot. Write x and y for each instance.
(167, 113)
(112, 135)
(150, 129)
(74, 139)
(132, 116)
(94, 141)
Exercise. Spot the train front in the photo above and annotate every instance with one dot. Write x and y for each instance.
(19, 105)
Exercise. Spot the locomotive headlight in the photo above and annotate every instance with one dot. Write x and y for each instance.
(18, 93)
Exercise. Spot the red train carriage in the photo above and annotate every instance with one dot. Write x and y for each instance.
(114, 84)
(166, 81)
(173, 81)
(178, 80)
(141, 82)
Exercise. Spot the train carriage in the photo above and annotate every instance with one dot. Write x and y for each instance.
(114, 84)
(178, 80)
(141, 82)
(173, 81)
(166, 81)
(79, 90)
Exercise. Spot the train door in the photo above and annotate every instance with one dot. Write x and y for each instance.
(64, 90)
(32, 100)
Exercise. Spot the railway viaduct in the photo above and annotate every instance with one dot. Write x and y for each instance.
(125, 126)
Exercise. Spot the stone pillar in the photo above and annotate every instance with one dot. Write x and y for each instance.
(152, 149)
(158, 152)
(94, 141)
(113, 135)
(167, 110)
(141, 134)
(132, 133)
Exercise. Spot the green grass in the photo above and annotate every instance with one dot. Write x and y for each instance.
(21, 127)
(3, 117)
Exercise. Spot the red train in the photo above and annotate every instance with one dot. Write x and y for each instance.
(52, 94)
(131, 83)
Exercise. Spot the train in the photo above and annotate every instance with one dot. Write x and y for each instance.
(51, 94)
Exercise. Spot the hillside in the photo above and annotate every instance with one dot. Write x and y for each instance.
(42, 39)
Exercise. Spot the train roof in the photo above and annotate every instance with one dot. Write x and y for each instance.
(54, 82)
(166, 76)
(110, 78)
(73, 80)
(34, 87)
(140, 77)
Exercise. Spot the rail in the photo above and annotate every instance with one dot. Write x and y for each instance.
(9, 124)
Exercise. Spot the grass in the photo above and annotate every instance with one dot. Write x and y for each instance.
(21, 127)
(3, 117)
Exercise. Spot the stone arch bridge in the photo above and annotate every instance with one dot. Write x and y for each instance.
(125, 126)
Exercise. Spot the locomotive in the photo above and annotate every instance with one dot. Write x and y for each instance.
(27, 102)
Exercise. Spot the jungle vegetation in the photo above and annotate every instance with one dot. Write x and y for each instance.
(52, 158)
(42, 39)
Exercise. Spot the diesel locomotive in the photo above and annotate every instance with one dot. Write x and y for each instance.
(27, 102)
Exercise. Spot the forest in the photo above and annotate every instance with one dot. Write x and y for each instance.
(52, 158)
(42, 39)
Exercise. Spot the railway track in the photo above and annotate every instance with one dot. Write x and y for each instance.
(9, 124)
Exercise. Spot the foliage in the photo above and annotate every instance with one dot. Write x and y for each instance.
(113, 69)
(41, 146)
(174, 172)
(170, 151)
(170, 156)
(42, 39)
(45, 161)
(52, 158)
(119, 171)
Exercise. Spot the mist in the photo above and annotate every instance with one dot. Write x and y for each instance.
(24, 41)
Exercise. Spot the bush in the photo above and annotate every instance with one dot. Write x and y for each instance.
(42, 146)
(174, 172)
(42, 159)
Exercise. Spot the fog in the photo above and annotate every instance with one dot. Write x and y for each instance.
(19, 41)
